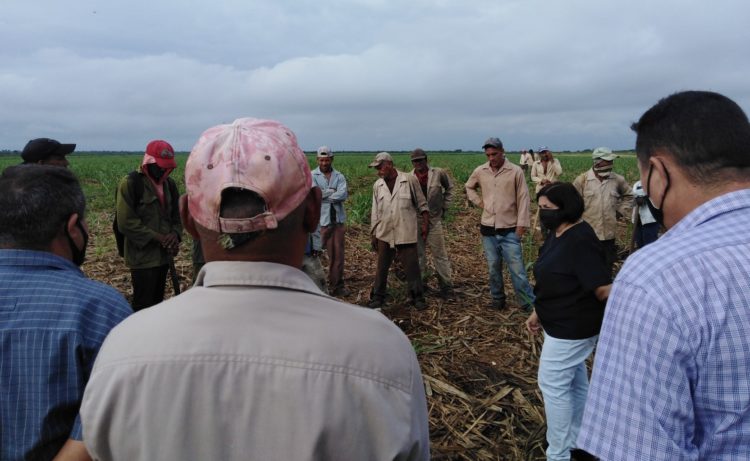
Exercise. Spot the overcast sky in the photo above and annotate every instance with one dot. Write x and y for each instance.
(360, 74)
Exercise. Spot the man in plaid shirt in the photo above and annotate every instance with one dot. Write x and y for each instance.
(671, 378)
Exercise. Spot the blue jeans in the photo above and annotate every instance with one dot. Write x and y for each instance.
(564, 384)
(507, 246)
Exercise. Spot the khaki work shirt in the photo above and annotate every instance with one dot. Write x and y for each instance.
(439, 191)
(505, 199)
(554, 170)
(393, 218)
(602, 201)
(254, 362)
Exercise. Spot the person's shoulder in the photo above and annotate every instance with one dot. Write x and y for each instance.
(620, 178)
(365, 331)
(512, 166)
(582, 232)
(100, 295)
(584, 177)
(481, 167)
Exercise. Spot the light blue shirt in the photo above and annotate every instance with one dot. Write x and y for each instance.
(334, 194)
(671, 378)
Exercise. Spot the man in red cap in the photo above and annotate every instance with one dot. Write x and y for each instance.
(149, 218)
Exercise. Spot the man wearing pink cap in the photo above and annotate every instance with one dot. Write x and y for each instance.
(149, 218)
(254, 361)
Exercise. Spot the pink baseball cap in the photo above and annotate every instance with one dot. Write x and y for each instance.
(161, 153)
(257, 155)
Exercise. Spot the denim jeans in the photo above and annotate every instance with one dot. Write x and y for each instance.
(564, 384)
(507, 246)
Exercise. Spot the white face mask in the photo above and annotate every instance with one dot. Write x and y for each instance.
(603, 171)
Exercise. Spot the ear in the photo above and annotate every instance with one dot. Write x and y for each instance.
(72, 227)
(187, 219)
(75, 231)
(656, 185)
(312, 209)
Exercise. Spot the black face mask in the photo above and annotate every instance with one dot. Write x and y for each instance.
(79, 256)
(657, 213)
(155, 171)
(550, 219)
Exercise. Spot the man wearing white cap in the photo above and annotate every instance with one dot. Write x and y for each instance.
(254, 361)
(546, 170)
(332, 217)
(399, 212)
(605, 195)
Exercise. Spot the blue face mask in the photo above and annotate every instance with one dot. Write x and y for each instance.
(657, 213)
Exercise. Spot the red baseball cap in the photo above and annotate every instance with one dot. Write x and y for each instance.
(162, 154)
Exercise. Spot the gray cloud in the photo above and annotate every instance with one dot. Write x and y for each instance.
(367, 74)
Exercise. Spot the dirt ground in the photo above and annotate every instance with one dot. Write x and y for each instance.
(479, 365)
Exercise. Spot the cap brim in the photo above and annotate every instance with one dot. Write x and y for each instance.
(419, 158)
(166, 163)
(65, 149)
(374, 164)
(607, 157)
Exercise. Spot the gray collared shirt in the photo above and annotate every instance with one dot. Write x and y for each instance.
(254, 362)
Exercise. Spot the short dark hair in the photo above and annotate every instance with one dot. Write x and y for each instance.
(240, 203)
(35, 200)
(707, 133)
(566, 197)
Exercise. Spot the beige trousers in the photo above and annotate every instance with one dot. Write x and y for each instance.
(436, 242)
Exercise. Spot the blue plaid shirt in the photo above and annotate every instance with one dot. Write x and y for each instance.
(52, 322)
(672, 372)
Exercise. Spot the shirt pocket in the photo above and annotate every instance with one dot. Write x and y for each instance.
(404, 199)
(613, 197)
(149, 211)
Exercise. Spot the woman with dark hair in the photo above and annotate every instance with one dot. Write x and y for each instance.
(572, 284)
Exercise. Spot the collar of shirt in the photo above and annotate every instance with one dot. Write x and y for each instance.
(505, 166)
(317, 171)
(722, 204)
(422, 177)
(246, 273)
(14, 257)
(400, 177)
